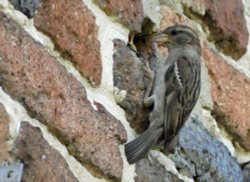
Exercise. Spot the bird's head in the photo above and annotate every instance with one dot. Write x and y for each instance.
(178, 36)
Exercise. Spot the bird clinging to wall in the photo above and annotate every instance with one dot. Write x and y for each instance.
(175, 91)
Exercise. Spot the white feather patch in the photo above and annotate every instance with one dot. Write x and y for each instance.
(177, 74)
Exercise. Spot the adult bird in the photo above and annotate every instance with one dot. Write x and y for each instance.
(175, 91)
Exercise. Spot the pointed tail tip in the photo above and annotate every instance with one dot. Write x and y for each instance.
(131, 154)
(138, 148)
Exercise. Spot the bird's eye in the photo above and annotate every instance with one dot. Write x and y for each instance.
(173, 32)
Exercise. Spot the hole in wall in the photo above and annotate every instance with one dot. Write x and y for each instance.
(141, 42)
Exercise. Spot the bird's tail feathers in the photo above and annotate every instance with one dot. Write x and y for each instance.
(138, 148)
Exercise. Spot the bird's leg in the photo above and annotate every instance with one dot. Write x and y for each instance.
(169, 147)
(149, 100)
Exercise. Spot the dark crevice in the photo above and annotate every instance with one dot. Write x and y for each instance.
(141, 42)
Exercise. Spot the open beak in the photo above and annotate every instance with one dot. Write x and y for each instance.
(162, 38)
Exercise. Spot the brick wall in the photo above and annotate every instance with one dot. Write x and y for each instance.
(72, 89)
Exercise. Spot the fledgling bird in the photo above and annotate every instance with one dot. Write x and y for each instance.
(175, 91)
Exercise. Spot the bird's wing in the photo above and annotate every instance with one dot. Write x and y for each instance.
(183, 86)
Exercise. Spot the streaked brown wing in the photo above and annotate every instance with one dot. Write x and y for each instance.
(185, 79)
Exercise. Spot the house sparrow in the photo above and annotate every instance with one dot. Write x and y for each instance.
(175, 91)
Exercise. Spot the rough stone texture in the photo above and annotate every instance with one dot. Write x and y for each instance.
(129, 12)
(4, 132)
(149, 170)
(230, 93)
(203, 157)
(170, 17)
(225, 21)
(51, 95)
(130, 76)
(41, 161)
(27, 7)
(74, 34)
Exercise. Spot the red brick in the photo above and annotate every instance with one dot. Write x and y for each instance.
(129, 12)
(230, 93)
(51, 95)
(41, 161)
(71, 26)
(226, 23)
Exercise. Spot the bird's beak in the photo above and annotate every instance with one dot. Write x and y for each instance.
(162, 38)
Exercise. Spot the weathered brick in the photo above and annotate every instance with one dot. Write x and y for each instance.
(230, 93)
(54, 97)
(226, 23)
(129, 12)
(129, 75)
(148, 170)
(170, 17)
(71, 26)
(41, 161)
